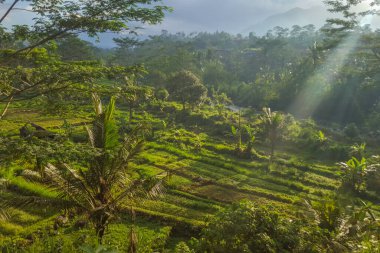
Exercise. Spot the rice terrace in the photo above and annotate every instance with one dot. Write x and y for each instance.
(162, 126)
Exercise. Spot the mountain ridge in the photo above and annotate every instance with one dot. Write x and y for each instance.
(316, 15)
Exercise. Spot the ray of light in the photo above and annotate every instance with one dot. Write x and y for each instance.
(319, 83)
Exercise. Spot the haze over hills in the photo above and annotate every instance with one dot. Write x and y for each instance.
(256, 19)
(315, 15)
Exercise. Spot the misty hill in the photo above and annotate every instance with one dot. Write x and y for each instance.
(297, 16)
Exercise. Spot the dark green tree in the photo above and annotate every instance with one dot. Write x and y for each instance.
(187, 88)
(245, 227)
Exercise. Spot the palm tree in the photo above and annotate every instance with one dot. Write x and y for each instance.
(102, 189)
(273, 122)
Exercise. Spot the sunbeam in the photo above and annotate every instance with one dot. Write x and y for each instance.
(319, 83)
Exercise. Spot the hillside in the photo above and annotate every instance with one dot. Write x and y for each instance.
(316, 15)
(205, 176)
(204, 142)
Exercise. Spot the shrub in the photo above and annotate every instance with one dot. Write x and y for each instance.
(351, 131)
(244, 227)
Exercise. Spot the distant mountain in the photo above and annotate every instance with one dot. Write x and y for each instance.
(297, 16)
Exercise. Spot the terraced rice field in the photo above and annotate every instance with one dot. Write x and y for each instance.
(210, 176)
(199, 182)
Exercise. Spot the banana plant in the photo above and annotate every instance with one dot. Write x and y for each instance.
(236, 132)
(354, 172)
(251, 138)
(358, 150)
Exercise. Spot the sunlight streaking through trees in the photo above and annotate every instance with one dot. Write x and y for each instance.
(319, 83)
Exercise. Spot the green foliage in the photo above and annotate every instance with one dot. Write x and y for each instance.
(191, 148)
(99, 249)
(321, 137)
(72, 48)
(358, 151)
(42, 74)
(245, 227)
(101, 188)
(350, 227)
(272, 123)
(354, 173)
(220, 100)
(182, 248)
(92, 17)
(162, 94)
(185, 87)
(277, 69)
(351, 131)
(328, 214)
(29, 70)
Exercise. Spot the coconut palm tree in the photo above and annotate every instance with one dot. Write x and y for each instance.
(105, 187)
(273, 122)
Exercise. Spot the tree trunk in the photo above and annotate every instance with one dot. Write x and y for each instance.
(6, 108)
(130, 113)
(272, 149)
(132, 241)
(100, 227)
(8, 11)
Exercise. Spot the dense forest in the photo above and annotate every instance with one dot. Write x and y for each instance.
(187, 142)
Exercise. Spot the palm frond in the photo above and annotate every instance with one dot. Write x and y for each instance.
(97, 104)
(313, 214)
(157, 190)
(91, 136)
(21, 202)
(110, 110)
(4, 215)
(69, 184)
(111, 135)
(32, 176)
(142, 190)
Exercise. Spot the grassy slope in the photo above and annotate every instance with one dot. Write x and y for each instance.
(201, 181)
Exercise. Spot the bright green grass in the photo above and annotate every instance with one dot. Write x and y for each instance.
(200, 183)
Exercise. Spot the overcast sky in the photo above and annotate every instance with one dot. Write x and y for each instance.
(208, 15)
(233, 16)
(227, 15)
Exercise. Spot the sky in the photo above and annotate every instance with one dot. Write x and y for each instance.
(227, 15)
(234, 16)
(207, 15)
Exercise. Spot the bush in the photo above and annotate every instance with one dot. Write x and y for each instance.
(351, 131)
(182, 248)
(244, 227)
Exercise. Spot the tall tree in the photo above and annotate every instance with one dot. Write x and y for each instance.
(187, 88)
(21, 50)
(55, 19)
(273, 122)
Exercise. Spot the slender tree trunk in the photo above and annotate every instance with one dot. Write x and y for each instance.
(272, 146)
(132, 236)
(132, 241)
(6, 108)
(100, 227)
(130, 113)
(8, 11)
